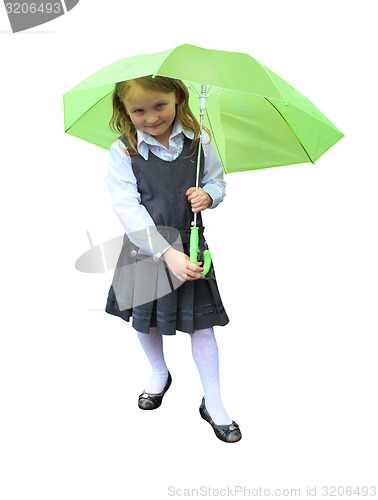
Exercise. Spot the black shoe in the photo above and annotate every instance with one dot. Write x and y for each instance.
(148, 401)
(227, 433)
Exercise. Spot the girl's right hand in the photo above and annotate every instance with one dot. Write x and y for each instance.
(180, 265)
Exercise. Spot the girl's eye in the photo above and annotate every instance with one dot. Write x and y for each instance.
(138, 111)
(160, 106)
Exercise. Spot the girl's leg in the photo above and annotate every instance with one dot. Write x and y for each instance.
(205, 354)
(152, 344)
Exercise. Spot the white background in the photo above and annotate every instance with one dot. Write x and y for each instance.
(294, 248)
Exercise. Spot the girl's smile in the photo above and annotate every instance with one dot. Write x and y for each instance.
(151, 111)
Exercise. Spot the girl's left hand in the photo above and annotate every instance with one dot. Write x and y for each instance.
(200, 200)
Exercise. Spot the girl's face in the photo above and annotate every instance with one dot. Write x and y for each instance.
(152, 111)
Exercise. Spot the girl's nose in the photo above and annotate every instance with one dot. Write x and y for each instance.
(152, 119)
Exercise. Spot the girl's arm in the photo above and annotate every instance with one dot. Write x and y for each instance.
(125, 200)
(212, 179)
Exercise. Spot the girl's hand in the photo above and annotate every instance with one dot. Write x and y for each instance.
(200, 200)
(180, 265)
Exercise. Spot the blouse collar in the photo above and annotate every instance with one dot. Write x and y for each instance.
(146, 140)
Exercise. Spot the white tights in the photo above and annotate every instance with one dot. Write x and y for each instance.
(205, 355)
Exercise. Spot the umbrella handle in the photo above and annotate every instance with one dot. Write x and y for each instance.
(194, 251)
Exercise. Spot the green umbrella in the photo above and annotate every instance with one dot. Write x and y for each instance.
(257, 120)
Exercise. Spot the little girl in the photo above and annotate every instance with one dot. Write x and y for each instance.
(151, 178)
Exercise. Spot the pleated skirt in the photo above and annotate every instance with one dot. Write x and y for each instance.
(145, 290)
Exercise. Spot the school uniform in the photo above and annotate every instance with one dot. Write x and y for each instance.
(151, 203)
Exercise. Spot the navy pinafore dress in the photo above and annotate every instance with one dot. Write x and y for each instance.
(188, 306)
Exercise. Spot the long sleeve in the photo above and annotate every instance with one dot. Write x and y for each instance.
(125, 200)
(212, 179)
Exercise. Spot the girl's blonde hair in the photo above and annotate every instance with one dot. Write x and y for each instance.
(121, 122)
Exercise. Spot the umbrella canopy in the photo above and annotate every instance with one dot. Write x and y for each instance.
(257, 120)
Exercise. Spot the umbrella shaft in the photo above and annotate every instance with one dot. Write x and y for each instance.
(198, 165)
(202, 107)
(199, 154)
